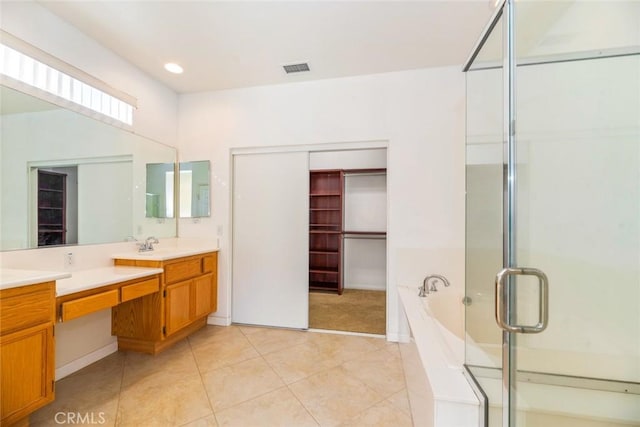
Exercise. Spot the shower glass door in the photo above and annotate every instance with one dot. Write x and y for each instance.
(561, 194)
(577, 211)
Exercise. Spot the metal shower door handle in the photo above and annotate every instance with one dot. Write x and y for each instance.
(502, 303)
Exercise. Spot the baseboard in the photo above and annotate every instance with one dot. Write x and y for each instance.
(365, 287)
(218, 321)
(398, 337)
(357, 334)
(86, 360)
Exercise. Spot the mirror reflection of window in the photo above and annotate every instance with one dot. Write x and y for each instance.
(160, 190)
(186, 183)
(168, 191)
(194, 198)
(203, 199)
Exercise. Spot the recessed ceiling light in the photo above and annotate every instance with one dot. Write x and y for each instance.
(173, 68)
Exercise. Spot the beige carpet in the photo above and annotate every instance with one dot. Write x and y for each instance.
(353, 311)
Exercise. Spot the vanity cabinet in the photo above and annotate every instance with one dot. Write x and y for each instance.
(187, 296)
(27, 350)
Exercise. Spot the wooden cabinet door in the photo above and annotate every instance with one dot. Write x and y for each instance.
(177, 306)
(27, 365)
(205, 295)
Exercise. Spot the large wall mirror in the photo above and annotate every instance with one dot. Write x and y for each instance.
(69, 179)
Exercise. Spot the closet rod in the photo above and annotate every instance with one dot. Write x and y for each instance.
(364, 173)
(362, 236)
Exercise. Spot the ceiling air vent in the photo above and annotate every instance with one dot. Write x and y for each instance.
(296, 68)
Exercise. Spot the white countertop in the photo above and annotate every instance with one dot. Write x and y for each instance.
(96, 277)
(163, 254)
(13, 278)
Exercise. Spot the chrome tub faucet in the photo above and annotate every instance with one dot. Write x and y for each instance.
(427, 288)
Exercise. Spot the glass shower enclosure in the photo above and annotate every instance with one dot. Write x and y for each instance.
(553, 214)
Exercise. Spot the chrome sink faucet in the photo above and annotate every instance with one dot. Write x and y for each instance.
(425, 289)
(148, 244)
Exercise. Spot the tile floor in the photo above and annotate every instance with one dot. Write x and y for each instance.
(240, 376)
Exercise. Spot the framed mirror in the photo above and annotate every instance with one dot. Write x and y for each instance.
(194, 192)
(93, 177)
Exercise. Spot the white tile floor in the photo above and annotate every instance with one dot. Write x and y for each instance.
(241, 376)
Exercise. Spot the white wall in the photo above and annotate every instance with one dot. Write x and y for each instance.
(420, 113)
(155, 116)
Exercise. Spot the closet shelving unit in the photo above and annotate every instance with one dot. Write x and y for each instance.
(51, 208)
(326, 228)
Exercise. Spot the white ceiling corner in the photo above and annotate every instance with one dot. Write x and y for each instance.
(231, 44)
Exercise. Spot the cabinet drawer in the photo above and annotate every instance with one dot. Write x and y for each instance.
(24, 307)
(182, 270)
(81, 306)
(140, 289)
(209, 264)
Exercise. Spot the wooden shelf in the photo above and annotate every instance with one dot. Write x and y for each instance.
(323, 271)
(325, 230)
(51, 208)
(323, 286)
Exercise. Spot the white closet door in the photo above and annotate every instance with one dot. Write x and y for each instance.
(271, 239)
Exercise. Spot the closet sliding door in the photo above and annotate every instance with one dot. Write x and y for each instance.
(270, 239)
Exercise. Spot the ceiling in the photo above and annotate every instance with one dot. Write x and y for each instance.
(232, 44)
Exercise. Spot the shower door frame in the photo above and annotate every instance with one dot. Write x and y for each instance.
(506, 9)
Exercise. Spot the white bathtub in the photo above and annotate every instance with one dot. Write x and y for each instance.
(439, 393)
